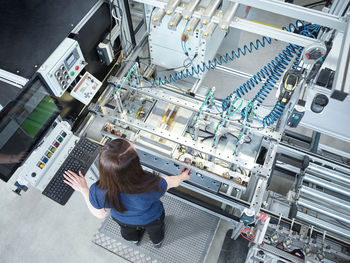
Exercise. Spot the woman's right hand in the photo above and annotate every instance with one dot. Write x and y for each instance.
(185, 174)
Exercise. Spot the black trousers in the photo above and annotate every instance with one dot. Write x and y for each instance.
(155, 230)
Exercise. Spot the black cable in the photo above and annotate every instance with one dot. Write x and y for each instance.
(121, 27)
(316, 6)
(315, 3)
(111, 24)
(150, 19)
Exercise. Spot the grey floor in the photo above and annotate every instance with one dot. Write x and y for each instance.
(36, 229)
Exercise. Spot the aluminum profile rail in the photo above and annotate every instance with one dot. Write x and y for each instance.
(299, 12)
(324, 225)
(342, 78)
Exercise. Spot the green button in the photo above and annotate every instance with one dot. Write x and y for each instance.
(72, 73)
(60, 139)
(296, 117)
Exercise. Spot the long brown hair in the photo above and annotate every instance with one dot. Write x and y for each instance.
(121, 172)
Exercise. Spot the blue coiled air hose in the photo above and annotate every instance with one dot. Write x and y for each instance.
(278, 109)
(211, 64)
(273, 70)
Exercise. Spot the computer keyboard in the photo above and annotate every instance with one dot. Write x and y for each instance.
(80, 159)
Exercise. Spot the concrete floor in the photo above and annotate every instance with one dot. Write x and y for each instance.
(35, 229)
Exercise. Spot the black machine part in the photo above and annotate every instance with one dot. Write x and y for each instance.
(319, 102)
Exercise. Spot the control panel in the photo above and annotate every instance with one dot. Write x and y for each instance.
(86, 88)
(63, 66)
(43, 162)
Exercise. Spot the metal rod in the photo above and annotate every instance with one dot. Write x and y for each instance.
(228, 16)
(324, 225)
(174, 21)
(326, 198)
(327, 184)
(209, 12)
(157, 19)
(170, 7)
(188, 11)
(209, 29)
(299, 12)
(324, 210)
(329, 174)
(192, 25)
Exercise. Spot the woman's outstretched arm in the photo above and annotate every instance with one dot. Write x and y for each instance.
(78, 183)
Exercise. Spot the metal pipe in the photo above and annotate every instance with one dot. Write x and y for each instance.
(316, 142)
(329, 174)
(188, 11)
(171, 6)
(157, 19)
(326, 198)
(210, 29)
(192, 25)
(173, 23)
(324, 225)
(322, 210)
(328, 185)
(209, 12)
(227, 18)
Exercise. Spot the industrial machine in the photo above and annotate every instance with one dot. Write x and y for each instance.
(184, 104)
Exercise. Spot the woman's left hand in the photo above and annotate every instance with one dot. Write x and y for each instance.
(77, 182)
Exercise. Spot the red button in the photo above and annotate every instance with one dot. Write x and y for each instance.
(57, 144)
(76, 67)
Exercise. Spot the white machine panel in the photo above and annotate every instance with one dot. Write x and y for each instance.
(63, 66)
(45, 160)
(166, 48)
(86, 88)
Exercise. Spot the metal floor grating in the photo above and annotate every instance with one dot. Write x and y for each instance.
(188, 234)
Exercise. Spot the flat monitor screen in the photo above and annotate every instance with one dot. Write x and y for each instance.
(22, 123)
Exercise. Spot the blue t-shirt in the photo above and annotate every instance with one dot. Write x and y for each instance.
(141, 208)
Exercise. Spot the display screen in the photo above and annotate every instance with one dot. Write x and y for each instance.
(22, 124)
(70, 60)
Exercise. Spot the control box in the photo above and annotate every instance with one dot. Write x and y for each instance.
(63, 66)
(46, 159)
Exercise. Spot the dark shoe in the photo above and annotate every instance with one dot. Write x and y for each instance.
(158, 245)
(141, 233)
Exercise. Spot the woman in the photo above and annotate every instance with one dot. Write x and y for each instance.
(131, 194)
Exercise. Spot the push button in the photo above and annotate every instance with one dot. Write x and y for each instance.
(53, 149)
(60, 139)
(72, 73)
(41, 166)
(45, 160)
(76, 67)
(64, 134)
(57, 144)
(49, 155)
